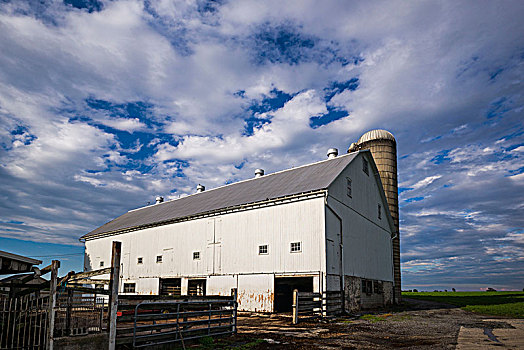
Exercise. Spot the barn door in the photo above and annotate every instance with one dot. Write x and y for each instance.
(218, 246)
(214, 247)
(333, 253)
(168, 261)
(125, 267)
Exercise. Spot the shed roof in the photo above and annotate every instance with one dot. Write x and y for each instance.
(284, 183)
(19, 258)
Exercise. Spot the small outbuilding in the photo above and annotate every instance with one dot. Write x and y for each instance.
(12, 263)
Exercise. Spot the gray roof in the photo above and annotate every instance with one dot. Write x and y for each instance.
(293, 181)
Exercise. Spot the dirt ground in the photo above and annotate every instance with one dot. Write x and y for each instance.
(414, 325)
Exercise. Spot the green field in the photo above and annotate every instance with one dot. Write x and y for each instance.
(509, 304)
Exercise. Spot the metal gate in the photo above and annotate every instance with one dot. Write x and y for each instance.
(161, 322)
(23, 322)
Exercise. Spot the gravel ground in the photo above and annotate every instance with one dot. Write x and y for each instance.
(414, 325)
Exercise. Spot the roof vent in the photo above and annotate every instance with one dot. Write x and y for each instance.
(259, 173)
(159, 199)
(332, 153)
(201, 188)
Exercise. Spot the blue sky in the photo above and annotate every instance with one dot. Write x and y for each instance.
(106, 104)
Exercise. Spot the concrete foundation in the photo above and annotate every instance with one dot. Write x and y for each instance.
(352, 294)
(380, 295)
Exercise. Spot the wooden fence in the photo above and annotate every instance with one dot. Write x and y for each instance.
(314, 305)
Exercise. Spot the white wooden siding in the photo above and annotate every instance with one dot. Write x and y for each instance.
(228, 245)
(366, 238)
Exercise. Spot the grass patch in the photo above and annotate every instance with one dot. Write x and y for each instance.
(509, 304)
(383, 317)
(374, 318)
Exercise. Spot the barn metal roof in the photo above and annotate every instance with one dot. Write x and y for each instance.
(284, 183)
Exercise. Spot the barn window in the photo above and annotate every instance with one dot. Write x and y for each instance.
(196, 255)
(377, 287)
(365, 166)
(101, 264)
(129, 287)
(262, 249)
(348, 186)
(295, 247)
(367, 286)
(159, 258)
(139, 260)
(379, 212)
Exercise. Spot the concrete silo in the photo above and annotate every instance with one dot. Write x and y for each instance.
(383, 147)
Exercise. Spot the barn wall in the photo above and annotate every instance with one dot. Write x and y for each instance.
(366, 238)
(228, 247)
(256, 292)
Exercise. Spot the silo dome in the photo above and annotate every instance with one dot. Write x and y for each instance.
(376, 135)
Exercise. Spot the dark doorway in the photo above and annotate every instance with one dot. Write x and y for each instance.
(196, 287)
(284, 287)
(170, 286)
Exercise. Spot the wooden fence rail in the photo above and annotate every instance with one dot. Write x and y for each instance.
(308, 305)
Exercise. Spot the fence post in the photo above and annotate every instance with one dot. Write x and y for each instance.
(113, 288)
(295, 306)
(55, 265)
(323, 312)
(234, 295)
(69, 308)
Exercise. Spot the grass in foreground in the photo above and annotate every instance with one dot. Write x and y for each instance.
(509, 304)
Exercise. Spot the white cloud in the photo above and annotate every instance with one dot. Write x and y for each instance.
(431, 72)
(425, 182)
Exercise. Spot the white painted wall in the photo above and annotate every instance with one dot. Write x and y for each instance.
(367, 244)
(228, 246)
(256, 292)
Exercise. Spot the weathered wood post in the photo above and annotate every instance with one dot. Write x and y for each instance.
(69, 309)
(295, 306)
(113, 288)
(55, 265)
(12, 290)
(234, 296)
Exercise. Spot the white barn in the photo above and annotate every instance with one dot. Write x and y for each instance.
(319, 227)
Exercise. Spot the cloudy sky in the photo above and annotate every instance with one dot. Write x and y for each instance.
(106, 104)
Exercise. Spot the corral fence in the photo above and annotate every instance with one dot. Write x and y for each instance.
(155, 322)
(77, 313)
(23, 322)
(32, 316)
(308, 305)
